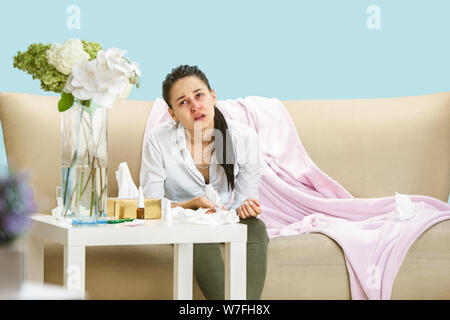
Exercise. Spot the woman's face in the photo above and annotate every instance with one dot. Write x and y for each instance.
(190, 97)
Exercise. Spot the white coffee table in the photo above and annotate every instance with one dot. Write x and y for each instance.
(155, 231)
(39, 291)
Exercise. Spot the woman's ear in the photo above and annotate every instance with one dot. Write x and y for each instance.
(213, 94)
(172, 114)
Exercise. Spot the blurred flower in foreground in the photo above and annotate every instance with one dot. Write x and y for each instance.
(16, 204)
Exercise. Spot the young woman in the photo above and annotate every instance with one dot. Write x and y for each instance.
(202, 148)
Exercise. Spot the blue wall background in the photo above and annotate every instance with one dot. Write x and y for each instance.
(289, 49)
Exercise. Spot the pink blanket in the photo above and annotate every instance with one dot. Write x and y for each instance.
(297, 197)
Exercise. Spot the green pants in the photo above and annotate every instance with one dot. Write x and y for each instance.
(209, 267)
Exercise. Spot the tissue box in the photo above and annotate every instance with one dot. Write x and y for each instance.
(126, 208)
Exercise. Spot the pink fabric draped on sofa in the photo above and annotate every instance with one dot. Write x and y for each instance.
(297, 197)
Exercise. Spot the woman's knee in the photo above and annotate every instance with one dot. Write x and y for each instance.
(256, 229)
(206, 249)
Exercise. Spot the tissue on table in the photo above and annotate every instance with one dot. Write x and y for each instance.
(125, 205)
(199, 216)
(212, 195)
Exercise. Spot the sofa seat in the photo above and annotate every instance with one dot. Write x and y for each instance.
(312, 266)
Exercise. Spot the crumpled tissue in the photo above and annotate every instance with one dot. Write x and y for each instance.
(212, 195)
(306, 225)
(59, 211)
(199, 216)
(405, 209)
(127, 188)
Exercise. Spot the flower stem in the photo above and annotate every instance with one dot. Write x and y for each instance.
(90, 176)
(65, 186)
(80, 194)
(92, 189)
(101, 183)
(70, 198)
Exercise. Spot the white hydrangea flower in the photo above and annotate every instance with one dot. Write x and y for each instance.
(126, 92)
(63, 57)
(103, 80)
(135, 67)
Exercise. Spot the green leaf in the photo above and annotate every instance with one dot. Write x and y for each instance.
(65, 102)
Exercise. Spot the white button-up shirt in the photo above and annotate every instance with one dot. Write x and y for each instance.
(168, 169)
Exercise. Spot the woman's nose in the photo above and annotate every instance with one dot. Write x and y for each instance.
(194, 107)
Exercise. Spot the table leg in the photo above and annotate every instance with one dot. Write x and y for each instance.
(74, 268)
(182, 271)
(35, 259)
(236, 270)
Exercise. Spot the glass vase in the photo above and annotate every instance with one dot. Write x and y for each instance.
(84, 162)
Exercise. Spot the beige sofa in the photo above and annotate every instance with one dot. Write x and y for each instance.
(373, 147)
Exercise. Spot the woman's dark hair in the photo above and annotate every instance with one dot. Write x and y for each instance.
(224, 148)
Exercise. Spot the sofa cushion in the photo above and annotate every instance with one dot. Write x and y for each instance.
(425, 272)
(375, 147)
(312, 266)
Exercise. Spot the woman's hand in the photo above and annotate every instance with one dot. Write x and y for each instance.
(249, 208)
(194, 203)
(203, 202)
(197, 203)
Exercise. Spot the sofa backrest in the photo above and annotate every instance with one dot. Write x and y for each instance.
(375, 147)
(31, 132)
(372, 147)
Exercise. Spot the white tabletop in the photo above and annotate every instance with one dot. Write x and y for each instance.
(153, 231)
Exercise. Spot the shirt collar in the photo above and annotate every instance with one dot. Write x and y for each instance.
(181, 139)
